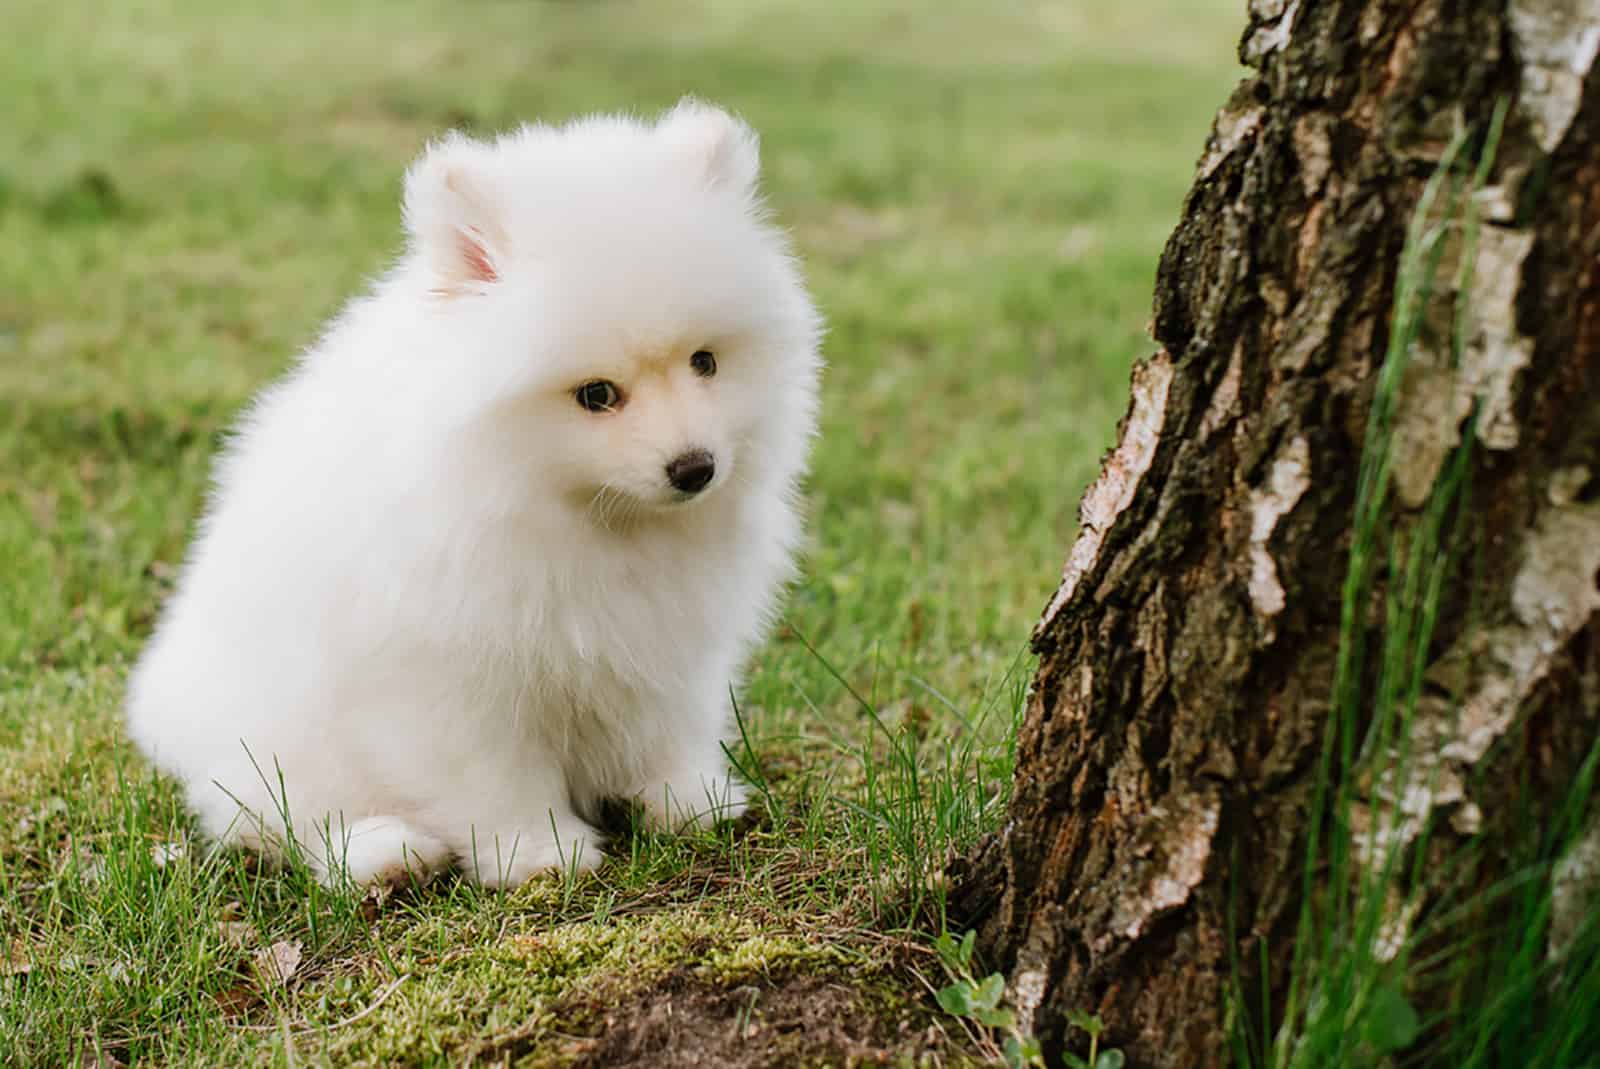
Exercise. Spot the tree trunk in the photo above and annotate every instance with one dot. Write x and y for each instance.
(1168, 762)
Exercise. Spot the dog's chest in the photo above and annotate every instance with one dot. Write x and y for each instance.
(607, 623)
(617, 673)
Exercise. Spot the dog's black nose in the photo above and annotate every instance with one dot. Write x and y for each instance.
(692, 471)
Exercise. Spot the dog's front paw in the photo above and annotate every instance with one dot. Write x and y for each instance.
(511, 860)
(382, 851)
(694, 801)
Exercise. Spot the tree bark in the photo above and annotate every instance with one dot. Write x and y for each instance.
(1167, 762)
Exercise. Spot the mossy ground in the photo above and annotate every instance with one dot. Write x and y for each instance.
(187, 190)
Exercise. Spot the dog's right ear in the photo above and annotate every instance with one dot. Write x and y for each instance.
(450, 214)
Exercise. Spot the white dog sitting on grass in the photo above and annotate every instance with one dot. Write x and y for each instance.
(497, 548)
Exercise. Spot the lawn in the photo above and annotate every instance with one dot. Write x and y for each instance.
(187, 190)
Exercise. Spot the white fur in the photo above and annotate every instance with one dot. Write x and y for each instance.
(447, 608)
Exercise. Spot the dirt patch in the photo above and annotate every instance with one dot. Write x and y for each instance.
(798, 1020)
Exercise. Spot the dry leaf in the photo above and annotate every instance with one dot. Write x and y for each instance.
(238, 1000)
(45, 812)
(89, 866)
(163, 854)
(372, 902)
(236, 933)
(16, 961)
(277, 963)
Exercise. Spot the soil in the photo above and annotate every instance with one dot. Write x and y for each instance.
(792, 1021)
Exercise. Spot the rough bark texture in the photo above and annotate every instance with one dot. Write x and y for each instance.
(1167, 761)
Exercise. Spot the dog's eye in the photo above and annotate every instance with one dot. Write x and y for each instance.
(599, 396)
(704, 363)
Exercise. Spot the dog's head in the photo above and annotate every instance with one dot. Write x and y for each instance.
(617, 307)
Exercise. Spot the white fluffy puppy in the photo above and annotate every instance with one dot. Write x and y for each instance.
(497, 547)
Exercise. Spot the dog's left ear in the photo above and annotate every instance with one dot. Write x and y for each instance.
(451, 214)
(725, 151)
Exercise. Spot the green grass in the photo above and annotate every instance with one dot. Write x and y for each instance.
(188, 190)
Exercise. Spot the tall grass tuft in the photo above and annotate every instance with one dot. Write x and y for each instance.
(920, 801)
(1475, 958)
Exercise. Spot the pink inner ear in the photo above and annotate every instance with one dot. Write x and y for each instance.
(475, 258)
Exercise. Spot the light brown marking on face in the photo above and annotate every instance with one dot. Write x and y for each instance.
(661, 357)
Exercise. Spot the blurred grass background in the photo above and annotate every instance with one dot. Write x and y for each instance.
(188, 190)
